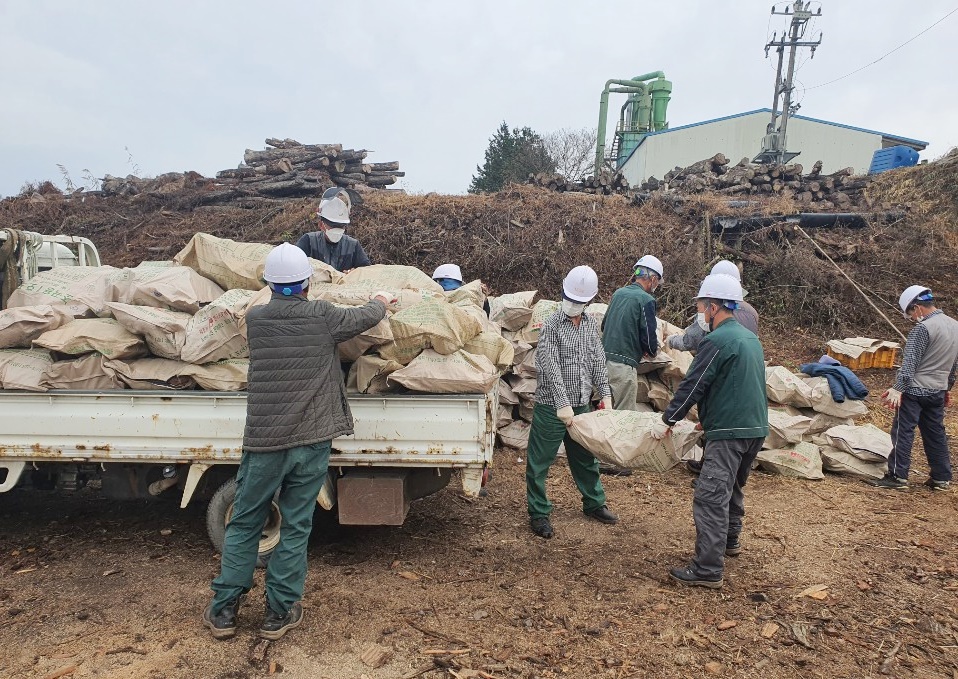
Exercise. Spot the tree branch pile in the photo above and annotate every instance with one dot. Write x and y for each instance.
(839, 190)
(287, 170)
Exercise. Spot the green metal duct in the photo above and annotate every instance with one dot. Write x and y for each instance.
(644, 112)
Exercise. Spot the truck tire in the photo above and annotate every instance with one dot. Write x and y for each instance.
(218, 514)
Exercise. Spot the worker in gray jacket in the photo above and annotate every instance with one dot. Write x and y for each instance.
(921, 391)
(745, 314)
(330, 244)
(296, 405)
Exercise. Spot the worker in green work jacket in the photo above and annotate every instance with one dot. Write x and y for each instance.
(727, 381)
(296, 405)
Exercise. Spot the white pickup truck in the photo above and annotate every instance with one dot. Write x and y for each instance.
(142, 444)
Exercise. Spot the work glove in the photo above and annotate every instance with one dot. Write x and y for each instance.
(565, 413)
(660, 430)
(606, 403)
(385, 297)
(673, 341)
(892, 398)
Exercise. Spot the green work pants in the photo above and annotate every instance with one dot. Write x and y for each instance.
(298, 473)
(545, 436)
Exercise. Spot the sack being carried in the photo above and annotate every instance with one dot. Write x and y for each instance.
(624, 438)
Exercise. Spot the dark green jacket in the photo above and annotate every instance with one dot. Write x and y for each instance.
(727, 381)
(628, 330)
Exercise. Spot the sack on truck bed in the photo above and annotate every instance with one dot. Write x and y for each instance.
(164, 331)
(624, 438)
(457, 373)
(229, 374)
(493, 346)
(394, 277)
(802, 461)
(23, 368)
(434, 325)
(226, 262)
(371, 373)
(376, 336)
(84, 289)
(19, 326)
(153, 373)
(513, 311)
(178, 288)
(470, 294)
(89, 372)
(540, 312)
(85, 335)
(214, 333)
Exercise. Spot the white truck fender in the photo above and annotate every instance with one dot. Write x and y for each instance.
(197, 469)
(14, 469)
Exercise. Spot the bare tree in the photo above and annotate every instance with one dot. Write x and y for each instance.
(572, 151)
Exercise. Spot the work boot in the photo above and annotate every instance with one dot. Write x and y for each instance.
(938, 485)
(889, 482)
(604, 515)
(687, 576)
(694, 466)
(223, 623)
(613, 470)
(733, 547)
(542, 527)
(276, 625)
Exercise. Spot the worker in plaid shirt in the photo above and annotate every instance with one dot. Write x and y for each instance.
(921, 391)
(571, 363)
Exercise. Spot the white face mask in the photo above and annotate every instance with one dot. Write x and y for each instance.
(572, 309)
(700, 320)
(335, 235)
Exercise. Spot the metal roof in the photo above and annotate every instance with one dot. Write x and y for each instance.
(916, 144)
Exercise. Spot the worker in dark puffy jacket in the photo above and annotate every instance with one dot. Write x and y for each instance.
(296, 405)
(330, 244)
(744, 313)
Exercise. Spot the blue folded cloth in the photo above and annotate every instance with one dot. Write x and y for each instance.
(841, 381)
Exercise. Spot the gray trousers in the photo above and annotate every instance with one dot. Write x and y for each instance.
(624, 381)
(928, 414)
(719, 502)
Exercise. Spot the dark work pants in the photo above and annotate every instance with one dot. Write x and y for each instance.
(928, 414)
(719, 502)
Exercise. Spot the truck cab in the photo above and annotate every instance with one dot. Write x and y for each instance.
(34, 253)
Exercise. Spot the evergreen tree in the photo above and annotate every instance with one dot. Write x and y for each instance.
(511, 156)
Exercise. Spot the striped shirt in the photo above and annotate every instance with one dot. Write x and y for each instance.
(915, 348)
(570, 362)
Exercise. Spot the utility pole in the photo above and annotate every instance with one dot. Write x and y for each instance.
(774, 142)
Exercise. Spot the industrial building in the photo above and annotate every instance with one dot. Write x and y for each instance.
(739, 136)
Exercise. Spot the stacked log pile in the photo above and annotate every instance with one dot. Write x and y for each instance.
(287, 170)
(838, 190)
(605, 183)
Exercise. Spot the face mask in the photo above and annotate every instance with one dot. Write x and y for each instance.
(335, 235)
(448, 284)
(572, 309)
(701, 322)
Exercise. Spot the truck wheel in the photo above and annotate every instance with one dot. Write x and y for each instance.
(219, 512)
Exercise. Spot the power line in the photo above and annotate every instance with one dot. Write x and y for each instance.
(912, 39)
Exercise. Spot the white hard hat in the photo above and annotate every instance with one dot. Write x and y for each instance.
(287, 264)
(911, 294)
(653, 263)
(728, 268)
(448, 271)
(581, 285)
(722, 287)
(335, 210)
(336, 192)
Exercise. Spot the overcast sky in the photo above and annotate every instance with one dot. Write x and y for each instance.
(190, 85)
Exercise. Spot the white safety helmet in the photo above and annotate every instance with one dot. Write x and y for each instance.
(451, 271)
(581, 284)
(336, 192)
(287, 264)
(912, 294)
(728, 268)
(720, 287)
(653, 264)
(335, 210)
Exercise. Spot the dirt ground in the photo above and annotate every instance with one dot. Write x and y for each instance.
(95, 588)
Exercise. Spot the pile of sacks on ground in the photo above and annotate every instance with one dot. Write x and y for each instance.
(809, 430)
(181, 325)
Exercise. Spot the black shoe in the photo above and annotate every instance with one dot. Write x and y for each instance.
(612, 470)
(890, 482)
(733, 547)
(694, 466)
(604, 515)
(223, 624)
(542, 527)
(938, 485)
(688, 577)
(276, 625)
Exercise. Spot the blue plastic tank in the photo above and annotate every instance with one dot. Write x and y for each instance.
(893, 157)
